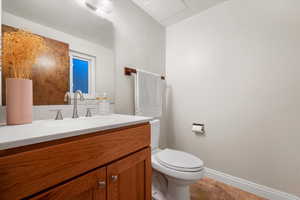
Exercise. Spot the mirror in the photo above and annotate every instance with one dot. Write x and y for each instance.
(77, 51)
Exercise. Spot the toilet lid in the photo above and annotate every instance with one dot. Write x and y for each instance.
(179, 161)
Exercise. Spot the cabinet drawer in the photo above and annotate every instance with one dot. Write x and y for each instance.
(30, 171)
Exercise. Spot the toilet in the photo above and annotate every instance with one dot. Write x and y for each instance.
(173, 171)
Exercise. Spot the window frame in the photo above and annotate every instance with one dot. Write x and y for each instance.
(91, 72)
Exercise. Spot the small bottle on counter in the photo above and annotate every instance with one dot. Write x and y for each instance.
(104, 104)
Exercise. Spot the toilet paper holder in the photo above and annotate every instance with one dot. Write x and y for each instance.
(198, 128)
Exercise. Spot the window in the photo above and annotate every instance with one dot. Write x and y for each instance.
(82, 73)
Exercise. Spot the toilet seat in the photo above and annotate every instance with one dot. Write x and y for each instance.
(177, 172)
(179, 161)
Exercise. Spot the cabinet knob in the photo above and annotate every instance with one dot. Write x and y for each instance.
(114, 178)
(102, 184)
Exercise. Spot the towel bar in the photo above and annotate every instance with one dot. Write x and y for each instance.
(128, 71)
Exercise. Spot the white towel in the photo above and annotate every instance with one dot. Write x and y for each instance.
(148, 94)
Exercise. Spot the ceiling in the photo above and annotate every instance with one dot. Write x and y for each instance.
(168, 12)
(66, 16)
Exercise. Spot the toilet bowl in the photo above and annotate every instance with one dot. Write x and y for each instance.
(179, 170)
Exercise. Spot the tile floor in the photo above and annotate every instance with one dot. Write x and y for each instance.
(209, 189)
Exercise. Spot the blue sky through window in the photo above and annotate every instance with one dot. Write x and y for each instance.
(80, 75)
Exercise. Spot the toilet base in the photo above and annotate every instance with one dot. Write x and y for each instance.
(178, 192)
(174, 192)
(169, 188)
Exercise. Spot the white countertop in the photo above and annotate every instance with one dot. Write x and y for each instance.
(47, 130)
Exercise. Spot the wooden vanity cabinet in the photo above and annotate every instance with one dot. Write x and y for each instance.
(82, 188)
(130, 178)
(107, 165)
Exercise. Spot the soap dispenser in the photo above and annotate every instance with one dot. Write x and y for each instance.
(104, 105)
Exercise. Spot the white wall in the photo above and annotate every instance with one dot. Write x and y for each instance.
(236, 68)
(104, 57)
(139, 43)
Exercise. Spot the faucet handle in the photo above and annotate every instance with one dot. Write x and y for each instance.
(81, 96)
(89, 112)
(59, 115)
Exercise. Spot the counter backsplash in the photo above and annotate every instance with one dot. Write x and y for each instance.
(44, 112)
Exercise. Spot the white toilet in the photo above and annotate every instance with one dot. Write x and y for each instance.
(173, 171)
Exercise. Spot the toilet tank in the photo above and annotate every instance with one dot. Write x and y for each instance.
(155, 134)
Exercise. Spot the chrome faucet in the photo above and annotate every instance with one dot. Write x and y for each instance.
(68, 97)
(81, 98)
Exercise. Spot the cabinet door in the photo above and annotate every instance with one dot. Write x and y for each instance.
(91, 186)
(130, 178)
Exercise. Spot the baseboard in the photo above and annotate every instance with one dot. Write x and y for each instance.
(259, 190)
